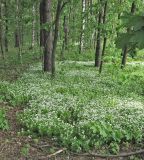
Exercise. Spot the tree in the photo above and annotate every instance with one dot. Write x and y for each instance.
(6, 25)
(125, 49)
(81, 46)
(105, 37)
(33, 25)
(65, 38)
(87, 26)
(1, 30)
(45, 11)
(99, 41)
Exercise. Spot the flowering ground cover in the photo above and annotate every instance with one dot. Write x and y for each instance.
(79, 108)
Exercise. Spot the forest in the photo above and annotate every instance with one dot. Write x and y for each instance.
(72, 79)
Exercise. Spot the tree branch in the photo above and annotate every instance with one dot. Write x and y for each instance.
(64, 4)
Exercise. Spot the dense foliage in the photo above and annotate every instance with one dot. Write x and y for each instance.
(133, 38)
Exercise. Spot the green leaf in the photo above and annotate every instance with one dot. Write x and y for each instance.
(123, 40)
(138, 37)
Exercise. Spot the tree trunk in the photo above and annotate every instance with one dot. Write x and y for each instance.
(1, 31)
(105, 37)
(65, 41)
(33, 26)
(41, 23)
(47, 34)
(98, 45)
(91, 7)
(6, 26)
(17, 31)
(58, 12)
(125, 49)
(17, 38)
(81, 46)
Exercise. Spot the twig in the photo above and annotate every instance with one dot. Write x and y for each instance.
(54, 154)
(40, 146)
(43, 146)
(111, 156)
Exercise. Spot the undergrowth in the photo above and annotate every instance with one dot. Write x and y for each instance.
(81, 109)
(3, 120)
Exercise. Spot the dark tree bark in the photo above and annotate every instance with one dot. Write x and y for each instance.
(119, 14)
(6, 26)
(50, 43)
(1, 31)
(65, 41)
(98, 45)
(57, 18)
(41, 22)
(17, 38)
(91, 5)
(17, 30)
(47, 34)
(105, 37)
(66, 30)
(125, 49)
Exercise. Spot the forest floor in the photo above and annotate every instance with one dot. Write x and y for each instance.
(18, 147)
(15, 146)
(12, 144)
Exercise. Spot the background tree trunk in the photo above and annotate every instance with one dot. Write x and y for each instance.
(6, 26)
(41, 23)
(98, 45)
(105, 37)
(33, 26)
(81, 46)
(47, 34)
(1, 31)
(65, 41)
(58, 12)
(125, 49)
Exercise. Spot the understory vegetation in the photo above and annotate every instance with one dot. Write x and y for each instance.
(3, 120)
(72, 79)
(80, 108)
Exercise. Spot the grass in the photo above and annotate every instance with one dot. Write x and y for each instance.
(81, 109)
